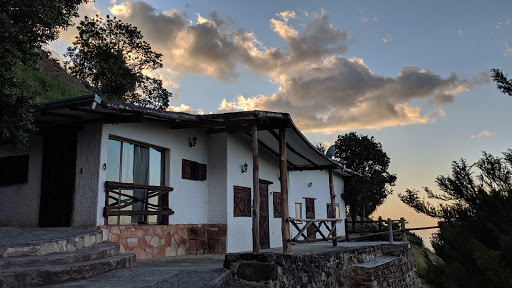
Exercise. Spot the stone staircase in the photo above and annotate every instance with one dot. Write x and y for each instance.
(60, 259)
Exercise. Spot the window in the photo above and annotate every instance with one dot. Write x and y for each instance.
(14, 170)
(278, 213)
(138, 163)
(193, 170)
(242, 201)
(298, 210)
(329, 212)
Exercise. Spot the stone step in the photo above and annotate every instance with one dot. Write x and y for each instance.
(96, 251)
(57, 244)
(52, 274)
(378, 261)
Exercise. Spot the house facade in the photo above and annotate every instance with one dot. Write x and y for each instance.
(166, 183)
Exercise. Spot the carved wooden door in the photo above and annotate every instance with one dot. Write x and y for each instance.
(264, 219)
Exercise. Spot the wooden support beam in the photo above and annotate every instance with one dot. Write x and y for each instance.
(283, 171)
(291, 148)
(256, 192)
(272, 151)
(333, 207)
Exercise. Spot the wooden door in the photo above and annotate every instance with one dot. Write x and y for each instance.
(58, 178)
(310, 214)
(264, 219)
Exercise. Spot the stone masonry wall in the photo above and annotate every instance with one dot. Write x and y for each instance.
(157, 241)
(325, 269)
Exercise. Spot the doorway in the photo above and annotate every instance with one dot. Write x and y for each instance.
(58, 178)
(264, 218)
(310, 214)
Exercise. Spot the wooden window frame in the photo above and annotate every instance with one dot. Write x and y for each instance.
(17, 169)
(241, 194)
(163, 220)
(193, 170)
(337, 211)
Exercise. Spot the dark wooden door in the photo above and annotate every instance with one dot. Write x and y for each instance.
(58, 178)
(310, 214)
(264, 219)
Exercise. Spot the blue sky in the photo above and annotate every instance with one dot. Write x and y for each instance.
(414, 74)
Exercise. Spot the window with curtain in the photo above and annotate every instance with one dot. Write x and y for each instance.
(132, 162)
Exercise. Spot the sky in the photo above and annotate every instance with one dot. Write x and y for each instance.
(414, 74)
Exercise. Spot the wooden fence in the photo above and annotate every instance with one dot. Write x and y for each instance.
(328, 223)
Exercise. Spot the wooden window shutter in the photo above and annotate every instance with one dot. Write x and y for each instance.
(242, 201)
(194, 170)
(185, 169)
(202, 171)
(277, 205)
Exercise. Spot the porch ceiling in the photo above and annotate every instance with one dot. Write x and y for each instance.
(301, 154)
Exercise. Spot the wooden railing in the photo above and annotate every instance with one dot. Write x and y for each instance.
(385, 227)
(328, 223)
(115, 189)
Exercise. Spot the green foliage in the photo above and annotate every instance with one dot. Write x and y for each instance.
(475, 235)
(25, 26)
(111, 55)
(47, 88)
(504, 84)
(363, 154)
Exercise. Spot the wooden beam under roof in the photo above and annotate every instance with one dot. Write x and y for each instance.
(273, 133)
(271, 150)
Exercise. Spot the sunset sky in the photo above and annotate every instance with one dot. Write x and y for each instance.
(414, 74)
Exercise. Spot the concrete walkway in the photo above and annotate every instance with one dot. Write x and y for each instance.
(178, 271)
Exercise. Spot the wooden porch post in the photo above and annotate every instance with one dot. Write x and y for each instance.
(256, 191)
(333, 206)
(283, 171)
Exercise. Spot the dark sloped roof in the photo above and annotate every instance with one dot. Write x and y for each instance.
(301, 154)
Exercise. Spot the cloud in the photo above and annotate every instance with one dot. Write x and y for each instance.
(503, 22)
(321, 89)
(508, 51)
(460, 33)
(387, 39)
(365, 19)
(186, 109)
(342, 94)
(483, 133)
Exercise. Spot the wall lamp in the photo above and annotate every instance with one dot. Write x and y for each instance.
(244, 167)
(193, 141)
(310, 184)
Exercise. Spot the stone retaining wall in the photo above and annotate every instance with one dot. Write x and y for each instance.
(325, 269)
(157, 241)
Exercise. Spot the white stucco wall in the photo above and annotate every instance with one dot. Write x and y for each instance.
(189, 198)
(320, 190)
(240, 228)
(87, 175)
(19, 204)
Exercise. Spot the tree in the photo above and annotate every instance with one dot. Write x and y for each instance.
(364, 155)
(25, 26)
(111, 56)
(504, 84)
(475, 219)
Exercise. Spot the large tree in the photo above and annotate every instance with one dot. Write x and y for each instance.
(475, 218)
(25, 26)
(363, 154)
(111, 56)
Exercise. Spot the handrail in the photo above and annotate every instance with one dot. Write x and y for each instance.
(113, 189)
(331, 235)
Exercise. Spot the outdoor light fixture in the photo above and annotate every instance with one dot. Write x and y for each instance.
(193, 141)
(310, 184)
(244, 167)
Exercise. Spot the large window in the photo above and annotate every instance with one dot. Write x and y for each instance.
(133, 162)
